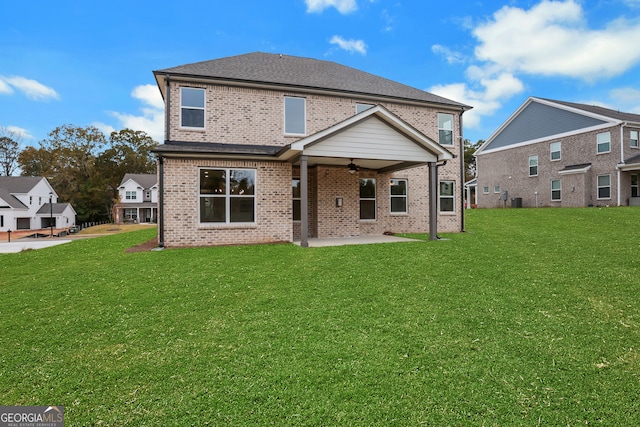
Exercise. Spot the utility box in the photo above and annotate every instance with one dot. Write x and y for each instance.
(516, 202)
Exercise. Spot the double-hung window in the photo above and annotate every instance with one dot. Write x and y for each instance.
(556, 151)
(634, 185)
(604, 142)
(295, 116)
(227, 196)
(556, 190)
(398, 193)
(367, 198)
(485, 189)
(295, 186)
(447, 193)
(604, 186)
(445, 129)
(634, 138)
(192, 107)
(533, 165)
(131, 195)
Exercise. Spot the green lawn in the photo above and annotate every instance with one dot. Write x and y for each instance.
(531, 317)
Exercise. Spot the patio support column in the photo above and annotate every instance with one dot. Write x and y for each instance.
(304, 202)
(433, 201)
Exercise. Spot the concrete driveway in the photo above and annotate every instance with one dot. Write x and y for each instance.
(25, 244)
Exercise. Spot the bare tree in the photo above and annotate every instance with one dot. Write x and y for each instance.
(9, 151)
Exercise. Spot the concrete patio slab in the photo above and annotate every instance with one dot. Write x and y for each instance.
(358, 240)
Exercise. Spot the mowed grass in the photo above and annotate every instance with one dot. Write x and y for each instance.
(531, 317)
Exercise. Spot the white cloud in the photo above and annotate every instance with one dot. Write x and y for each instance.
(32, 89)
(343, 6)
(350, 45)
(451, 56)
(552, 38)
(626, 99)
(150, 121)
(20, 132)
(486, 101)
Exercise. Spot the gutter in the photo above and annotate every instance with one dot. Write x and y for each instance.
(619, 173)
(462, 170)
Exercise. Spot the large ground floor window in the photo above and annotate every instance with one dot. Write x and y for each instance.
(227, 195)
(604, 186)
(447, 194)
(367, 198)
(130, 214)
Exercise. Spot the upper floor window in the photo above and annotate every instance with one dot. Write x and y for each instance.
(295, 115)
(496, 188)
(533, 165)
(445, 129)
(227, 195)
(604, 186)
(398, 193)
(634, 138)
(367, 198)
(30, 200)
(147, 194)
(447, 196)
(363, 107)
(131, 195)
(556, 190)
(604, 142)
(556, 150)
(192, 107)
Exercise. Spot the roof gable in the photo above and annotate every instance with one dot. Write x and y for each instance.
(373, 134)
(144, 180)
(19, 184)
(304, 73)
(537, 120)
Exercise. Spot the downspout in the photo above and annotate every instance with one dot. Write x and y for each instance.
(622, 125)
(167, 137)
(462, 171)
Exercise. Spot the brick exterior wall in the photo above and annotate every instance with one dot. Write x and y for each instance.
(510, 170)
(235, 115)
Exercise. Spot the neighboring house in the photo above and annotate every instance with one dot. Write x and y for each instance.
(138, 194)
(275, 148)
(30, 203)
(561, 154)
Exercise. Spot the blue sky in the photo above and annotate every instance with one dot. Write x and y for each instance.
(90, 62)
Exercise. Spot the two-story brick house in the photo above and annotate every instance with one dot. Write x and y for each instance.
(275, 148)
(560, 154)
(138, 198)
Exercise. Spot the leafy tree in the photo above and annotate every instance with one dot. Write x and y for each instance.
(9, 151)
(469, 159)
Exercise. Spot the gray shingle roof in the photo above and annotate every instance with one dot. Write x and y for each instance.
(607, 112)
(145, 180)
(58, 208)
(304, 73)
(19, 184)
(11, 201)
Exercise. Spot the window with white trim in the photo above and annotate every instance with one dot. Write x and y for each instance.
(367, 198)
(634, 138)
(604, 142)
(445, 129)
(447, 193)
(555, 149)
(604, 186)
(363, 107)
(1, 221)
(295, 187)
(533, 165)
(227, 196)
(556, 190)
(192, 107)
(398, 194)
(131, 195)
(634, 185)
(295, 115)
(130, 214)
(485, 189)
(496, 188)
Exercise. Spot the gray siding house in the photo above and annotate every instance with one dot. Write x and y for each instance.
(560, 154)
